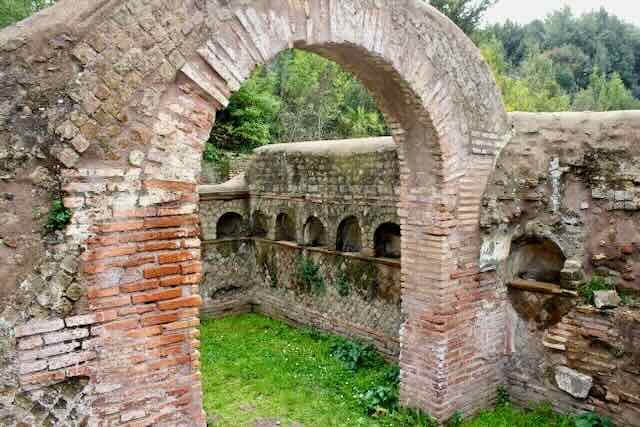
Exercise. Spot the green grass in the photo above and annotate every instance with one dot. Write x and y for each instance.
(256, 368)
(508, 416)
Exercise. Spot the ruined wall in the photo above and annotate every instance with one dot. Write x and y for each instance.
(354, 295)
(228, 166)
(329, 180)
(564, 205)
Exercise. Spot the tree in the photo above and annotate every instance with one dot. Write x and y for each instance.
(576, 45)
(537, 91)
(604, 94)
(545, 94)
(299, 96)
(360, 123)
(250, 120)
(466, 14)
(12, 11)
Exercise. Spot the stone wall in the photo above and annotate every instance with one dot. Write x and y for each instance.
(217, 172)
(564, 204)
(355, 295)
(328, 180)
(108, 104)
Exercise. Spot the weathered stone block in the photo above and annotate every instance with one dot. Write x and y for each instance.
(38, 327)
(606, 299)
(573, 382)
(68, 335)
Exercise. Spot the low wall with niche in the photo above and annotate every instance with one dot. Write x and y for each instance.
(563, 206)
(349, 295)
(299, 203)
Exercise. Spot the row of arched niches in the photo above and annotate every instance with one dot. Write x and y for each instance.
(349, 235)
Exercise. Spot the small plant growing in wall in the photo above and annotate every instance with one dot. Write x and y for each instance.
(503, 398)
(58, 217)
(309, 276)
(342, 284)
(266, 259)
(596, 283)
(213, 154)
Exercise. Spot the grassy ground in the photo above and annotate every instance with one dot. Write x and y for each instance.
(261, 372)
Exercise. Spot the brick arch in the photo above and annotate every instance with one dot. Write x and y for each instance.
(310, 222)
(142, 96)
(229, 213)
(269, 233)
(343, 225)
(373, 226)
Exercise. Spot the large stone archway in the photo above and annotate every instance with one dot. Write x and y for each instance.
(142, 83)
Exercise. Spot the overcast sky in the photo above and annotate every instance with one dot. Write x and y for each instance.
(524, 11)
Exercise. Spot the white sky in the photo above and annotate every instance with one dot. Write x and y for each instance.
(524, 11)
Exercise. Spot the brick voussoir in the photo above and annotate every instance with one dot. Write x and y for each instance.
(159, 319)
(140, 286)
(190, 301)
(96, 267)
(110, 302)
(181, 186)
(109, 252)
(171, 221)
(119, 226)
(157, 296)
(176, 257)
(161, 271)
(38, 327)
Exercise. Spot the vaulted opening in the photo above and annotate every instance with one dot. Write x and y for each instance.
(231, 224)
(536, 258)
(349, 237)
(260, 226)
(130, 121)
(314, 232)
(387, 240)
(285, 228)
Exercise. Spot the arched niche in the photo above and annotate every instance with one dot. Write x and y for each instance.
(230, 225)
(285, 228)
(535, 258)
(260, 225)
(386, 240)
(349, 236)
(315, 233)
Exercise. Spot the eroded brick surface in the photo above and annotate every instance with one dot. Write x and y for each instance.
(122, 96)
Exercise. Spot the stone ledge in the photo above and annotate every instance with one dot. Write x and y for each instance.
(385, 261)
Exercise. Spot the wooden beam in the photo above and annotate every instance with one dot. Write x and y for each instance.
(541, 287)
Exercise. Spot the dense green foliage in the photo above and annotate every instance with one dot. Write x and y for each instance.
(565, 62)
(255, 368)
(466, 14)
(300, 96)
(12, 11)
(354, 354)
